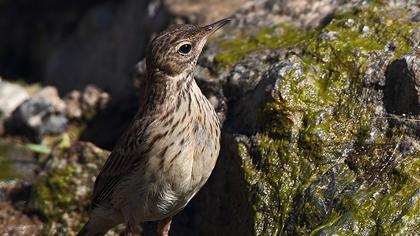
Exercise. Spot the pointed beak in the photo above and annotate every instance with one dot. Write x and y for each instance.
(210, 29)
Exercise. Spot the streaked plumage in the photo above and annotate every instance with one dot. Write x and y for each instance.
(172, 145)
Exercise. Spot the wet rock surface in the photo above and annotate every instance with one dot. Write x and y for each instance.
(321, 133)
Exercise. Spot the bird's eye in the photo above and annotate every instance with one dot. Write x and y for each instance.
(185, 48)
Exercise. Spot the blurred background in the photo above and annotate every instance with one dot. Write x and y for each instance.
(70, 45)
(320, 101)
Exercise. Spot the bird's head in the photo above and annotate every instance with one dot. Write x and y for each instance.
(176, 50)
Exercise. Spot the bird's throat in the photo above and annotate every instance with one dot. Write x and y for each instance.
(163, 88)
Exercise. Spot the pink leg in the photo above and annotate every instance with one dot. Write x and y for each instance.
(164, 226)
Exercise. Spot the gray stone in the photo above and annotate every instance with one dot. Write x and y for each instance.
(402, 85)
(11, 96)
(39, 115)
(85, 104)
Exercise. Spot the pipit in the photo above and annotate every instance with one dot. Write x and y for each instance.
(171, 147)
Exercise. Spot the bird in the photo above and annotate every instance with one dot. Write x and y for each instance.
(171, 147)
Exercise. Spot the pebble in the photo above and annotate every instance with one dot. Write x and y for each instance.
(38, 115)
(11, 96)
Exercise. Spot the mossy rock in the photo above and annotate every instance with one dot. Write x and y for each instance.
(326, 161)
(61, 195)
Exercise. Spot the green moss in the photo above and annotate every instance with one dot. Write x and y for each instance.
(6, 168)
(53, 193)
(37, 148)
(8, 154)
(316, 146)
(384, 26)
(280, 36)
(61, 194)
(391, 208)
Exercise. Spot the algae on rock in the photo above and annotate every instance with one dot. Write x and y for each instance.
(325, 159)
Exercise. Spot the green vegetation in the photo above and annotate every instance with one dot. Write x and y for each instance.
(383, 27)
(325, 163)
(6, 168)
(61, 195)
(55, 192)
(280, 36)
(10, 155)
(38, 148)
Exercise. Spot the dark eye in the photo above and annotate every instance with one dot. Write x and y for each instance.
(185, 48)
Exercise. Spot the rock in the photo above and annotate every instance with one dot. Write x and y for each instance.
(85, 46)
(307, 145)
(402, 85)
(244, 77)
(85, 104)
(11, 96)
(61, 193)
(53, 97)
(267, 13)
(14, 222)
(416, 17)
(58, 198)
(93, 97)
(73, 106)
(212, 87)
(314, 144)
(192, 11)
(16, 162)
(39, 115)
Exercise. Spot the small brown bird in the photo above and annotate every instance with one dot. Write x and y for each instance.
(171, 147)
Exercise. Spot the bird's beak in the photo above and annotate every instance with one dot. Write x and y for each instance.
(210, 29)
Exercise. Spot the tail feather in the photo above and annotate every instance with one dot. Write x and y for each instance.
(84, 231)
(89, 230)
(101, 220)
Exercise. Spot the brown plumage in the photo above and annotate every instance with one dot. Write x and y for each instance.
(171, 147)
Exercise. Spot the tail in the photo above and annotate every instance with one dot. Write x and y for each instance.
(101, 220)
(84, 231)
(90, 230)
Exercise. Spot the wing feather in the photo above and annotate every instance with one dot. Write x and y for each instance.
(124, 157)
(119, 164)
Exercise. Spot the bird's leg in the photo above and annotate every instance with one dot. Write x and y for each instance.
(164, 226)
(132, 229)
